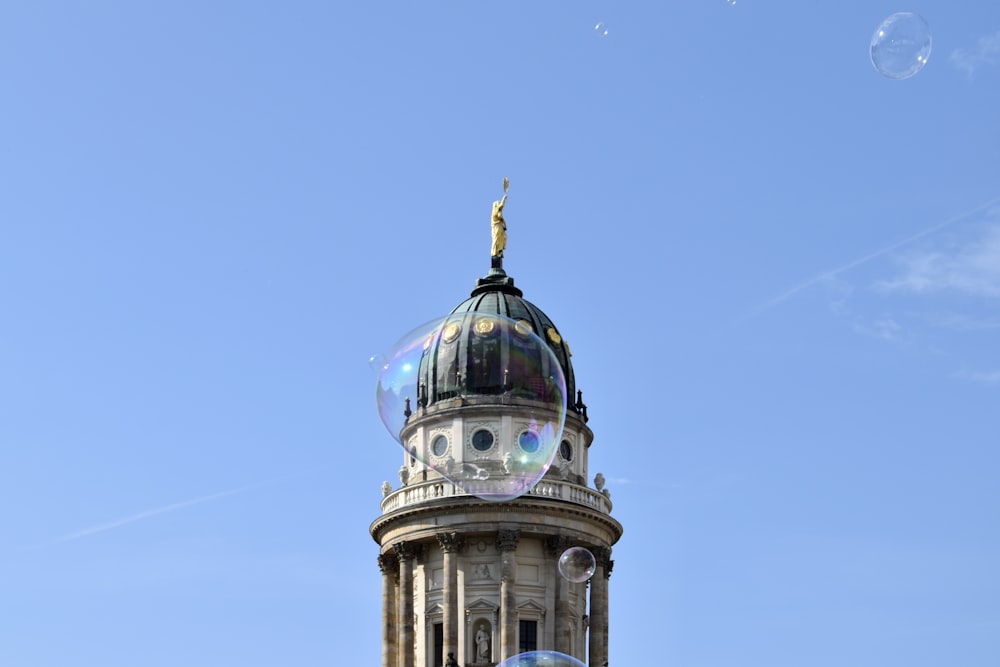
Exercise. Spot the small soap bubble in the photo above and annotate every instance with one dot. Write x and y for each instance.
(901, 45)
(601, 29)
(577, 564)
(486, 360)
(542, 659)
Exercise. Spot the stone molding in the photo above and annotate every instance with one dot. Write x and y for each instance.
(468, 508)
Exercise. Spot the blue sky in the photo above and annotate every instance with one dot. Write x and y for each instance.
(779, 272)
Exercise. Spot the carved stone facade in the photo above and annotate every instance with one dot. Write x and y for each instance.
(450, 583)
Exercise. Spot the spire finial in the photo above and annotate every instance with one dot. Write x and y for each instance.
(498, 227)
(496, 279)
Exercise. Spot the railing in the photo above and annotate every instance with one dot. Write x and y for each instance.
(421, 492)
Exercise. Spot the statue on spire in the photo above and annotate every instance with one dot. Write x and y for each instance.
(498, 225)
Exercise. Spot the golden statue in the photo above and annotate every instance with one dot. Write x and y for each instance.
(498, 225)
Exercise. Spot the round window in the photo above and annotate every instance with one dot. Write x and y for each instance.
(566, 450)
(439, 445)
(482, 440)
(528, 441)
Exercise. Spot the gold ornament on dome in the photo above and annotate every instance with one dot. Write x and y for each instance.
(498, 226)
(451, 332)
(523, 327)
(485, 326)
(554, 336)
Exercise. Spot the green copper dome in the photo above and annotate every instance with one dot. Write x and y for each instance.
(462, 362)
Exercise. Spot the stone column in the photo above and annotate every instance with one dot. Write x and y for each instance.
(450, 545)
(506, 545)
(555, 546)
(405, 552)
(607, 577)
(389, 565)
(598, 650)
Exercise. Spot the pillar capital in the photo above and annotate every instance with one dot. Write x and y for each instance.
(450, 542)
(603, 556)
(406, 550)
(507, 540)
(557, 544)
(388, 564)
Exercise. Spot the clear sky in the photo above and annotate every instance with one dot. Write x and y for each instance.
(779, 272)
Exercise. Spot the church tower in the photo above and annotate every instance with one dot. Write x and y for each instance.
(479, 579)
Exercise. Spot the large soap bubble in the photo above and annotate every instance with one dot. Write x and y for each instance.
(493, 364)
(577, 564)
(541, 659)
(901, 45)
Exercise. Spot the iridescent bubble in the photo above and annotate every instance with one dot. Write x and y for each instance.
(542, 659)
(601, 29)
(577, 564)
(901, 45)
(494, 363)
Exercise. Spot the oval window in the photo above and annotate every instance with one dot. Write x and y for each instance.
(482, 440)
(528, 441)
(566, 450)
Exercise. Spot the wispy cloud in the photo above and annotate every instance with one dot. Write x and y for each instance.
(985, 53)
(973, 269)
(619, 480)
(829, 275)
(885, 328)
(133, 518)
(982, 377)
(962, 322)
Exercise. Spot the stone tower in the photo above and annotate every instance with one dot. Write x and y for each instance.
(480, 579)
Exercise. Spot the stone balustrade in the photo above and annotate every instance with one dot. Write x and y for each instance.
(420, 492)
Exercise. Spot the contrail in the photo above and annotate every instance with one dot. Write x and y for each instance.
(878, 253)
(117, 523)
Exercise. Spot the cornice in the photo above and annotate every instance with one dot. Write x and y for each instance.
(530, 511)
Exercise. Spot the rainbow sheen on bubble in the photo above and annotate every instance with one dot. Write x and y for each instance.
(476, 359)
(541, 659)
(901, 45)
(577, 564)
(397, 376)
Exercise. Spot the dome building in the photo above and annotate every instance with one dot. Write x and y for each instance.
(471, 581)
